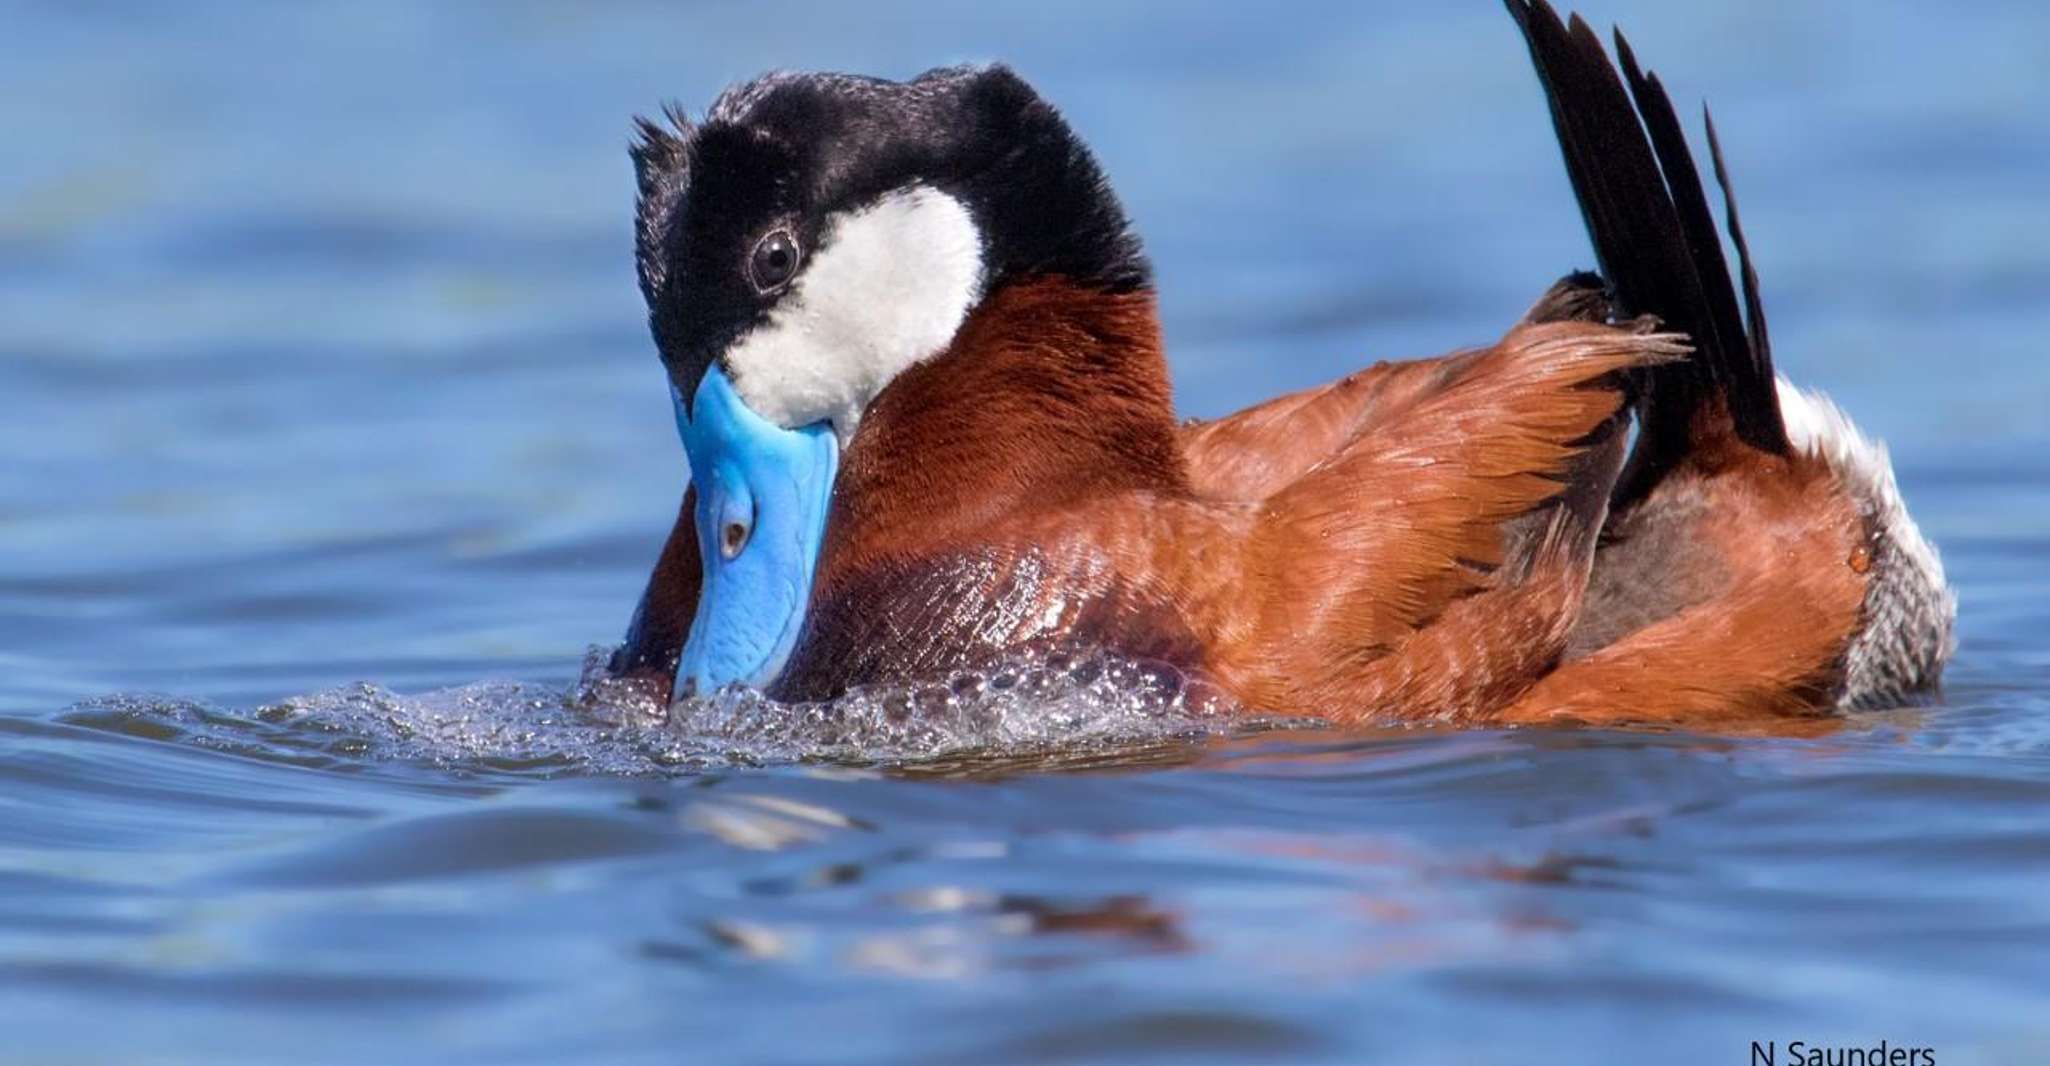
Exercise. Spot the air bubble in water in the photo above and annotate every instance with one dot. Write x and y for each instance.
(599, 725)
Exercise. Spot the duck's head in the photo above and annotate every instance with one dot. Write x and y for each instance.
(811, 239)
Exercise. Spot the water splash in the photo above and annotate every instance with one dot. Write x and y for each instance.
(1066, 704)
(1023, 705)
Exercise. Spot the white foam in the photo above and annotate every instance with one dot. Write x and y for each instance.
(1070, 706)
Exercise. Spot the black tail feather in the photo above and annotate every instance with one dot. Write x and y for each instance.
(1754, 310)
(1744, 371)
(1648, 219)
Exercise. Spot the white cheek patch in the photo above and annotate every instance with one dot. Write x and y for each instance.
(888, 289)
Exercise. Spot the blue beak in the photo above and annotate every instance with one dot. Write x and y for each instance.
(761, 518)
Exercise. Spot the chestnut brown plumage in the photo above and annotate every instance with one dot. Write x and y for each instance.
(1458, 539)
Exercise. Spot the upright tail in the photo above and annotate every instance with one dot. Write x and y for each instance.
(1660, 254)
(1658, 248)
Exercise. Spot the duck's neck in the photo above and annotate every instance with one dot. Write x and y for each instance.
(1050, 392)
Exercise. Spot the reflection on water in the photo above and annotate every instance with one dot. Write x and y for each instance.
(1239, 893)
(334, 434)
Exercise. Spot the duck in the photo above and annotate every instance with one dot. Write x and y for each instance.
(914, 351)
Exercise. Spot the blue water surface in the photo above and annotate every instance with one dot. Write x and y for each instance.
(333, 438)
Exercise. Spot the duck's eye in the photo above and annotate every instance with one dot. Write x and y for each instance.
(732, 538)
(774, 261)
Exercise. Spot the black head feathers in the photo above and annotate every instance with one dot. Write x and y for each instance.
(802, 145)
(660, 168)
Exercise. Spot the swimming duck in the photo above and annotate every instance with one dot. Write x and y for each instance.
(917, 369)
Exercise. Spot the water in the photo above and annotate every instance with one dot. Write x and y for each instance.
(334, 440)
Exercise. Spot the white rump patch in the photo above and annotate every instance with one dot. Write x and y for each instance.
(1816, 425)
(888, 287)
